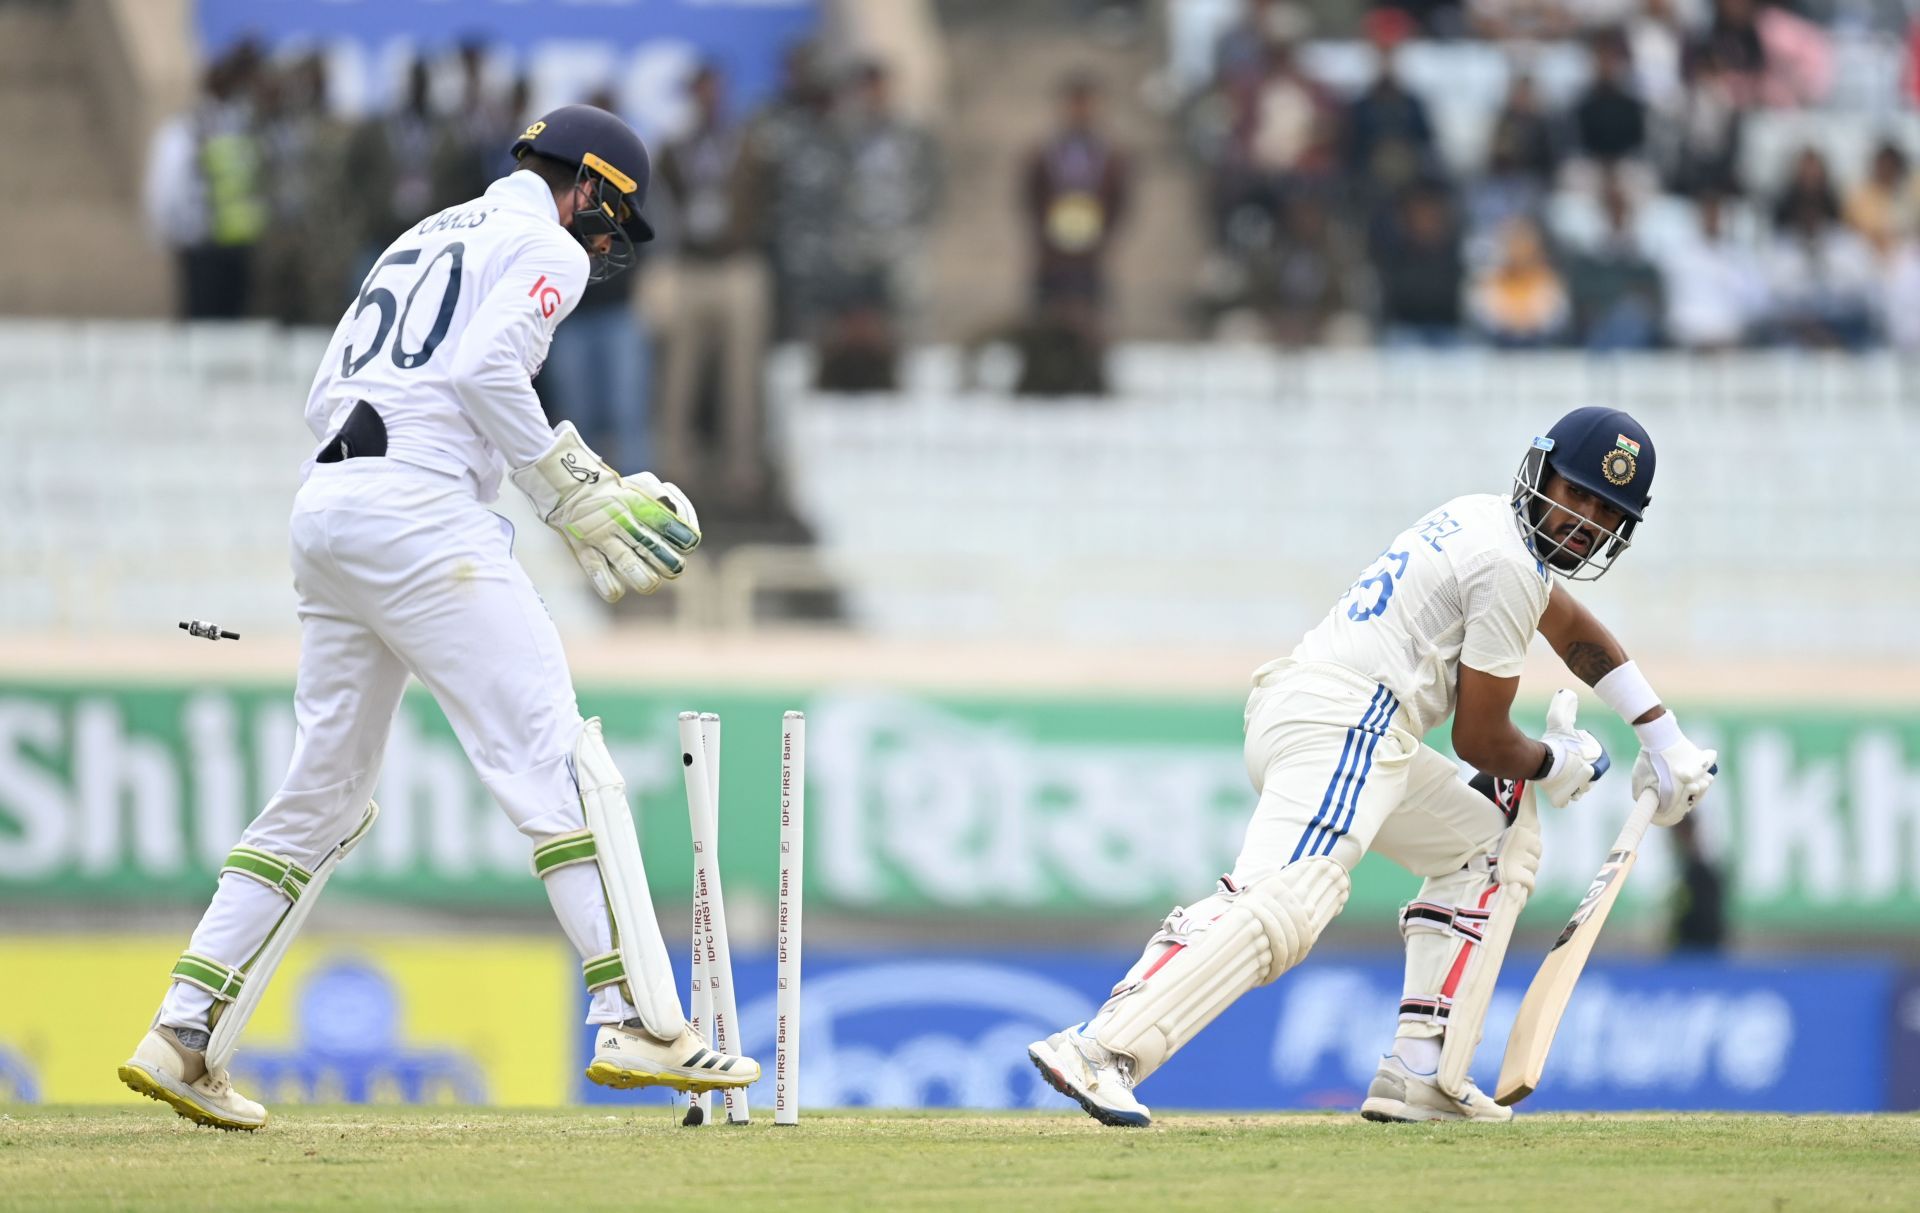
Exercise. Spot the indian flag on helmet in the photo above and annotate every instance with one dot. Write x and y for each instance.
(1627, 444)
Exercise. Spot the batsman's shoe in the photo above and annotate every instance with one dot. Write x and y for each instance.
(1101, 1081)
(1399, 1094)
(169, 1070)
(626, 1056)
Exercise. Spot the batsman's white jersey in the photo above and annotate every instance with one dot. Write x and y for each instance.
(1333, 730)
(401, 571)
(1460, 585)
(451, 323)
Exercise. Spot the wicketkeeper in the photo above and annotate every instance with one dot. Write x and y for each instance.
(424, 393)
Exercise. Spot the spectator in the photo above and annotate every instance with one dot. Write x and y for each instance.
(1821, 277)
(203, 191)
(801, 161)
(1389, 140)
(1523, 154)
(1526, 139)
(1239, 54)
(1703, 138)
(893, 180)
(1885, 208)
(1656, 42)
(1610, 122)
(1618, 296)
(1416, 257)
(1284, 130)
(1809, 188)
(302, 259)
(597, 368)
(390, 163)
(1074, 195)
(1733, 40)
(1799, 58)
(709, 301)
(1303, 286)
(1715, 288)
(1520, 302)
(471, 148)
(1900, 295)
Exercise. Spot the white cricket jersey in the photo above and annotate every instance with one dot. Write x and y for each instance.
(1458, 587)
(449, 329)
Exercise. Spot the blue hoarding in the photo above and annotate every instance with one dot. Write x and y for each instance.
(937, 1030)
(641, 49)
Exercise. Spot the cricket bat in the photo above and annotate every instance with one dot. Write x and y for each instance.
(1546, 998)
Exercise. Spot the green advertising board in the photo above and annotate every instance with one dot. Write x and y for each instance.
(917, 804)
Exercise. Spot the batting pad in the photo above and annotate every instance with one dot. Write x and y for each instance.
(1267, 928)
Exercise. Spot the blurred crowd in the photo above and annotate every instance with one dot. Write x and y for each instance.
(1620, 220)
(802, 220)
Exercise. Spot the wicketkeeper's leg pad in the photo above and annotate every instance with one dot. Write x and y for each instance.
(1259, 932)
(638, 960)
(237, 989)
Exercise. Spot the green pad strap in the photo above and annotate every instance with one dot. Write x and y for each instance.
(603, 970)
(221, 981)
(270, 870)
(556, 853)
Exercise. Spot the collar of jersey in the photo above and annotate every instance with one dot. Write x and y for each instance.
(523, 191)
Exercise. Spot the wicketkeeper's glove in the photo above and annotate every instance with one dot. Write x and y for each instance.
(624, 530)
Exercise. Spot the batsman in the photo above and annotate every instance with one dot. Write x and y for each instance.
(1438, 624)
(423, 398)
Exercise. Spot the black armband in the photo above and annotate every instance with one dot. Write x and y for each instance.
(1546, 764)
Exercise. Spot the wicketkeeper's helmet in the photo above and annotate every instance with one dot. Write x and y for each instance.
(607, 153)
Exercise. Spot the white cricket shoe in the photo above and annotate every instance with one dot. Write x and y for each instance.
(1083, 1070)
(1399, 1094)
(165, 1068)
(625, 1055)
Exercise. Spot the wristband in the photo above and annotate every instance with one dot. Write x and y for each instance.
(1547, 764)
(1660, 733)
(1627, 692)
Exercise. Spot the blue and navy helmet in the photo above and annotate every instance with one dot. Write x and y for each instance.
(1607, 453)
(607, 153)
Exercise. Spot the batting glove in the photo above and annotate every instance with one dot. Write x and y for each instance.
(1578, 756)
(632, 531)
(1680, 771)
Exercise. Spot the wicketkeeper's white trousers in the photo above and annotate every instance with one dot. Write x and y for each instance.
(401, 571)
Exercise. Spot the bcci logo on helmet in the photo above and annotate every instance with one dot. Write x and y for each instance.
(924, 1033)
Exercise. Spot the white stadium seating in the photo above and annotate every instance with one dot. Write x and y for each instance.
(1222, 496)
(1227, 495)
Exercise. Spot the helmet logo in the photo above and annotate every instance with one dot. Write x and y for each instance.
(534, 129)
(1619, 466)
(1626, 444)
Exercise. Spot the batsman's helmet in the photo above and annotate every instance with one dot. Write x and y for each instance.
(608, 155)
(1607, 453)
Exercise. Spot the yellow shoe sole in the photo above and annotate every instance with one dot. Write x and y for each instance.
(143, 1083)
(621, 1079)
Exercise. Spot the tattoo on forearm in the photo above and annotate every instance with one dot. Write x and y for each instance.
(1589, 662)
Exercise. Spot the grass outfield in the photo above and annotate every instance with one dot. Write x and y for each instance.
(134, 1157)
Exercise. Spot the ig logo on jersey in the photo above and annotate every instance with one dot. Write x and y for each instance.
(549, 297)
